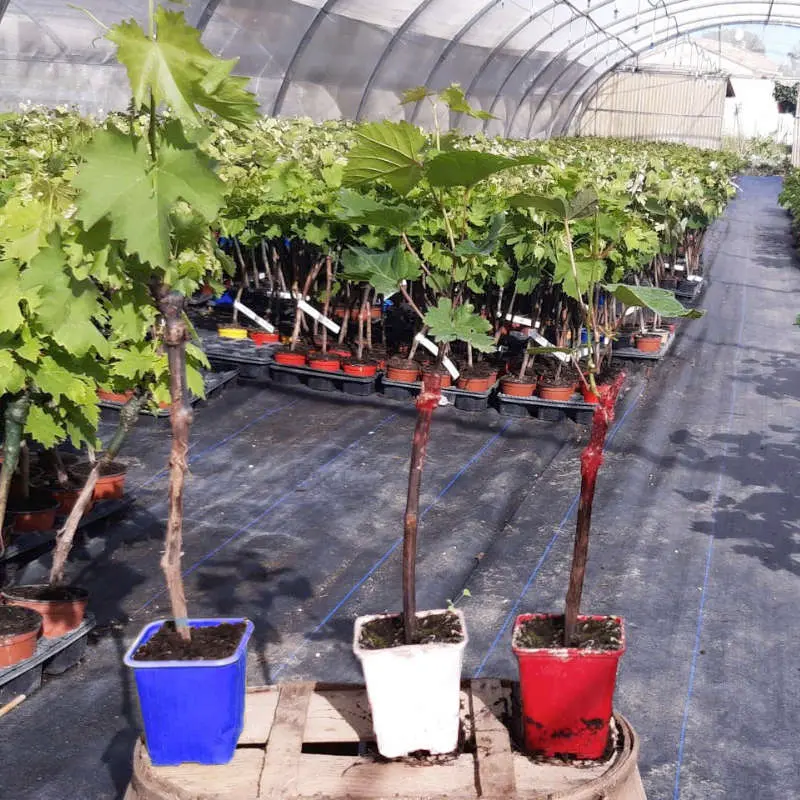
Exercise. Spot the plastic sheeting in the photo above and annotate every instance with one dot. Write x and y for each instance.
(532, 63)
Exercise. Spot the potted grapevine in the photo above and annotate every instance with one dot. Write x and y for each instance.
(190, 673)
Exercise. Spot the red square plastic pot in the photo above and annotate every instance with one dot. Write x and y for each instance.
(567, 695)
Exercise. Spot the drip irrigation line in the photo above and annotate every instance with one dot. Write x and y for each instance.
(676, 790)
(216, 445)
(546, 552)
(397, 542)
(276, 504)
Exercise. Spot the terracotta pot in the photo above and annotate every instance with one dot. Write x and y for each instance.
(324, 363)
(561, 393)
(36, 520)
(60, 614)
(571, 723)
(290, 359)
(264, 337)
(515, 388)
(473, 384)
(363, 370)
(115, 397)
(232, 332)
(66, 499)
(341, 352)
(16, 647)
(409, 375)
(111, 483)
(649, 342)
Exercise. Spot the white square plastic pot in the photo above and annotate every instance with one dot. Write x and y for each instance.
(414, 692)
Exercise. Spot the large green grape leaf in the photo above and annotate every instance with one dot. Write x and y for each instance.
(662, 301)
(555, 206)
(455, 99)
(41, 426)
(11, 316)
(118, 180)
(24, 226)
(589, 271)
(387, 151)
(179, 71)
(447, 324)
(468, 167)
(358, 209)
(384, 270)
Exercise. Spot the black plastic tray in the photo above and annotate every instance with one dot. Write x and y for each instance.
(549, 410)
(213, 382)
(25, 542)
(52, 657)
(633, 353)
(322, 381)
(460, 398)
(689, 290)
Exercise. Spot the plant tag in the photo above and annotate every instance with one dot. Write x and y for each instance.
(679, 268)
(288, 296)
(314, 314)
(540, 340)
(253, 316)
(517, 320)
(432, 348)
(695, 278)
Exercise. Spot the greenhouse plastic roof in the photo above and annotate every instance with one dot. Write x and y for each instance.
(532, 63)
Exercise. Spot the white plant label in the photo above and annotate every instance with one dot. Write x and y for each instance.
(314, 314)
(540, 340)
(288, 296)
(695, 278)
(432, 348)
(253, 316)
(526, 321)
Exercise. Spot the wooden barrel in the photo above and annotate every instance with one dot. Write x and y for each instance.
(306, 740)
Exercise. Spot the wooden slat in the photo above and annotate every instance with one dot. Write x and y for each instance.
(494, 759)
(237, 780)
(339, 715)
(259, 712)
(284, 748)
(352, 777)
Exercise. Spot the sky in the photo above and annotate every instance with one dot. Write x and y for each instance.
(778, 39)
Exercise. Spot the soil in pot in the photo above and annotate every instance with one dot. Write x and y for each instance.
(402, 369)
(339, 351)
(19, 630)
(324, 363)
(111, 483)
(649, 342)
(360, 369)
(476, 379)
(62, 608)
(207, 643)
(36, 513)
(291, 358)
(518, 387)
(385, 632)
(547, 632)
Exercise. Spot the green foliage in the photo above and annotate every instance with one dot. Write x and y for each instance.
(447, 323)
(387, 152)
(384, 271)
(661, 301)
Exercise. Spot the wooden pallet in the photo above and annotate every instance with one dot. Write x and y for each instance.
(306, 740)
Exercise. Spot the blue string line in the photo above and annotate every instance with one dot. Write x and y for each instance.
(676, 790)
(280, 501)
(532, 577)
(218, 444)
(368, 574)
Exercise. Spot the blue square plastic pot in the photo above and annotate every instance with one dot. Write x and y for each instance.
(193, 711)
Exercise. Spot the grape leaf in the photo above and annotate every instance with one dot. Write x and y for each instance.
(12, 376)
(448, 324)
(358, 209)
(469, 167)
(11, 318)
(382, 270)
(42, 427)
(180, 72)
(387, 151)
(662, 301)
(118, 177)
(23, 228)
